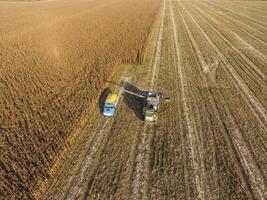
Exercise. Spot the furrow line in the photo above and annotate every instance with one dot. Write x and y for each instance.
(204, 65)
(245, 155)
(154, 47)
(205, 68)
(237, 143)
(249, 18)
(258, 12)
(246, 92)
(245, 58)
(249, 46)
(237, 24)
(236, 150)
(75, 187)
(192, 143)
(140, 180)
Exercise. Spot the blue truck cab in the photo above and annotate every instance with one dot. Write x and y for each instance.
(110, 105)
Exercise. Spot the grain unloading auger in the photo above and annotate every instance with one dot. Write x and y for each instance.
(151, 103)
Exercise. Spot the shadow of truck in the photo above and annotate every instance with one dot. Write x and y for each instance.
(103, 98)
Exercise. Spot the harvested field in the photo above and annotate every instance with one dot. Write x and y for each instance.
(210, 140)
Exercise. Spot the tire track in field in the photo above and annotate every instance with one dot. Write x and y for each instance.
(238, 147)
(74, 188)
(102, 181)
(191, 138)
(238, 23)
(204, 65)
(243, 56)
(211, 99)
(234, 151)
(166, 151)
(254, 10)
(246, 92)
(57, 189)
(257, 7)
(249, 46)
(154, 47)
(141, 171)
(263, 26)
(62, 191)
(247, 160)
(247, 98)
(205, 68)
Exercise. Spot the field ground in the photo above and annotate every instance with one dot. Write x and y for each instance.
(210, 140)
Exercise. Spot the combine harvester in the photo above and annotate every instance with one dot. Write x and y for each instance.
(150, 107)
(151, 103)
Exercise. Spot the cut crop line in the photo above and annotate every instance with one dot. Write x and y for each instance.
(140, 181)
(238, 23)
(77, 170)
(205, 68)
(249, 46)
(86, 162)
(152, 55)
(158, 50)
(239, 145)
(240, 83)
(251, 19)
(255, 9)
(199, 186)
(243, 150)
(74, 189)
(204, 65)
(229, 18)
(247, 161)
(245, 155)
(251, 10)
(245, 58)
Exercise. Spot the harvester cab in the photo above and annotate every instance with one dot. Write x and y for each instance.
(151, 107)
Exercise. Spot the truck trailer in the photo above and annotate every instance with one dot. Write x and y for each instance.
(110, 105)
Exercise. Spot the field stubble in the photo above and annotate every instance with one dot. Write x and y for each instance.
(240, 146)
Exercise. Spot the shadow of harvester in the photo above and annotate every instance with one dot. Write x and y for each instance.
(133, 102)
